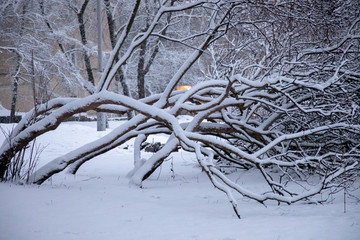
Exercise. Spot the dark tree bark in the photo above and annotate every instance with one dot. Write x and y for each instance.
(13, 100)
(119, 77)
(141, 71)
(80, 16)
(17, 68)
(143, 67)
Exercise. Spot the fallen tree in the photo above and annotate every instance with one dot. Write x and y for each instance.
(289, 116)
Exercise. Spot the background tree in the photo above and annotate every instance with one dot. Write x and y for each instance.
(42, 45)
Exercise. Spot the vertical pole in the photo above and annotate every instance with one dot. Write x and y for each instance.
(344, 179)
(101, 121)
(101, 117)
(99, 33)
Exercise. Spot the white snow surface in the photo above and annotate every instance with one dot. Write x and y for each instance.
(4, 111)
(178, 202)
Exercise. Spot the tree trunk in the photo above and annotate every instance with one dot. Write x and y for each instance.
(13, 100)
(86, 56)
(141, 71)
(119, 76)
(16, 79)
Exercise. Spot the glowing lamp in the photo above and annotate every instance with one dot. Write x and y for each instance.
(183, 87)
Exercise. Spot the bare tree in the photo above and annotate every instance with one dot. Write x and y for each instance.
(52, 46)
(278, 99)
(15, 13)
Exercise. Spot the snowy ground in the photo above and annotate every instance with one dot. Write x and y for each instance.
(177, 203)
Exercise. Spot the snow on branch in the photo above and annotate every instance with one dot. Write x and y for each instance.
(285, 105)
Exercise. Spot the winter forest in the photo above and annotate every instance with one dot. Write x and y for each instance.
(272, 91)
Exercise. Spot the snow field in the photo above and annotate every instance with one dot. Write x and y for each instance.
(178, 202)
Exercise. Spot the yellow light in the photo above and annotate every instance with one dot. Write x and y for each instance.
(184, 87)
